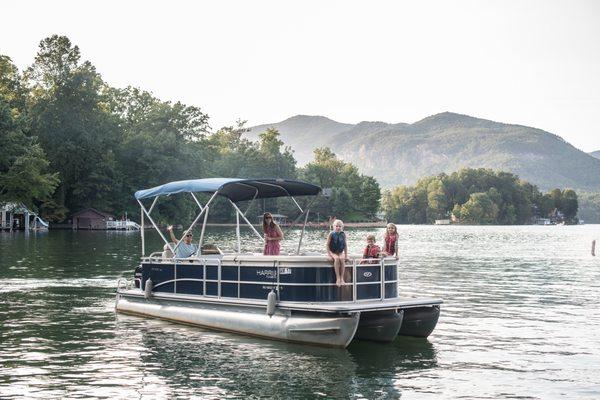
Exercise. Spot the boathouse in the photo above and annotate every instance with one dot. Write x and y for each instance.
(15, 216)
(92, 219)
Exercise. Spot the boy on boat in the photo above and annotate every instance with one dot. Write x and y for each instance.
(372, 250)
(336, 246)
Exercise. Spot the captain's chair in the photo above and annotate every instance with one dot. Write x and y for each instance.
(210, 249)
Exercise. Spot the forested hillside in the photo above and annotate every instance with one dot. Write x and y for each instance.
(478, 196)
(71, 141)
(303, 133)
(403, 153)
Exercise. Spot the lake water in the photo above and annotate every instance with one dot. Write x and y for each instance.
(521, 319)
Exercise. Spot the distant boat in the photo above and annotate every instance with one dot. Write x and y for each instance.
(442, 222)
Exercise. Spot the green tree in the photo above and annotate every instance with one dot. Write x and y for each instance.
(24, 176)
(556, 197)
(363, 192)
(479, 209)
(437, 200)
(277, 160)
(570, 204)
(159, 142)
(70, 117)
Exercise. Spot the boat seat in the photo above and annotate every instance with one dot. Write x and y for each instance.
(210, 249)
(167, 254)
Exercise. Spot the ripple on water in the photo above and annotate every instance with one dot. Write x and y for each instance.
(519, 320)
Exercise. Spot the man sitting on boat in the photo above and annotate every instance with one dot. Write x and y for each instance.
(185, 248)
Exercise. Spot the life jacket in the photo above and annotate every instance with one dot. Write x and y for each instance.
(371, 251)
(390, 244)
(337, 244)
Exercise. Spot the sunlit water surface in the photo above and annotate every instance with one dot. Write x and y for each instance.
(520, 320)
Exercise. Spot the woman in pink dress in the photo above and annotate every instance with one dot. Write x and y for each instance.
(273, 235)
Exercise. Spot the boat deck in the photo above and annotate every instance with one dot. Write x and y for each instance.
(327, 307)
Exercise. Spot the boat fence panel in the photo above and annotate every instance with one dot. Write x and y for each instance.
(253, 278)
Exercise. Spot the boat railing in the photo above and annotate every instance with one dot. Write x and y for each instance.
(123, 283)
(361, 272)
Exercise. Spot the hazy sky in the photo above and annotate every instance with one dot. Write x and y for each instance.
(533, 63)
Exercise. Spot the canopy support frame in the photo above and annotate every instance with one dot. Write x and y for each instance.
(204, 211)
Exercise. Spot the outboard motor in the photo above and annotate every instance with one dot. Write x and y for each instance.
(137, 277)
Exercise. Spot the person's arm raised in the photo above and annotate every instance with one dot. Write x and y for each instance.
(170, 230)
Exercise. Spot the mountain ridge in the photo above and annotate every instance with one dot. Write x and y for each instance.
(401, 153)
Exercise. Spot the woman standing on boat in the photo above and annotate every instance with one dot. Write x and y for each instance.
(336, 245)
(391, 240)
(273, 235)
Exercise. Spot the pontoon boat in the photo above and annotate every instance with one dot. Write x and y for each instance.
(290, 297)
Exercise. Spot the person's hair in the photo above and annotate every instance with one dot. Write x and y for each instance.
(393, 226)
(338, 222)
(370, 236)
(272, 224)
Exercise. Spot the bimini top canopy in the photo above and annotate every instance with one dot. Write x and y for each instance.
(234, 189)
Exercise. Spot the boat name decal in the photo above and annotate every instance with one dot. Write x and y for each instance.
(285, 271)
(269, 273)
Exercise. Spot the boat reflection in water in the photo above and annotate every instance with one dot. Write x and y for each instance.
(287, 297)
(222, 365)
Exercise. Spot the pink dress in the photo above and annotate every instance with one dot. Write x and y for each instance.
(272, 246)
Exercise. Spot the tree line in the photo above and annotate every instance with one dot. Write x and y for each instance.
(477, 196)
(71, 141)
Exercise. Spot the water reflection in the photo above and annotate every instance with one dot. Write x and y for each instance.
(191, 360)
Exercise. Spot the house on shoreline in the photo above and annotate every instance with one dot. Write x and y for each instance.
(15, 216)
(92, 219)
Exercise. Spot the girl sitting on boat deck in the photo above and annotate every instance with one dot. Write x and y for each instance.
(336, 246)
(391, 241)
(273, 235)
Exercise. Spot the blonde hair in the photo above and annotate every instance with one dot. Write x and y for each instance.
(390, 225)
(338, 222)
(370, 236)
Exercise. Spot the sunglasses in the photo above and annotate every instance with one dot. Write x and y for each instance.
(189, 235)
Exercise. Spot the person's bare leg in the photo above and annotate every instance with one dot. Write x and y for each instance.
(342, 270)
(336, 267)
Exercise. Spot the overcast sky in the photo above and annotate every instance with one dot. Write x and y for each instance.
(533, 63)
